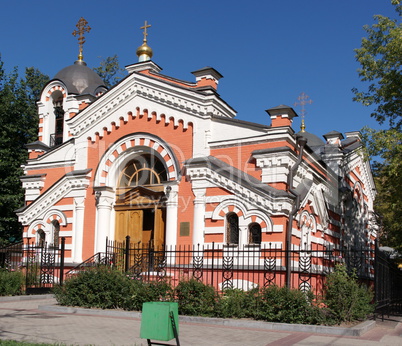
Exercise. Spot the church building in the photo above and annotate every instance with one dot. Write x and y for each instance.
(166, 162)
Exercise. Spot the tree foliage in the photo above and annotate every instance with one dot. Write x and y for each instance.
(345, 299)
(18, 126)
(380, 57)
(110, 71)
(387, 144)
(381, 60)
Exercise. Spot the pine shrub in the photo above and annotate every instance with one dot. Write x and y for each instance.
(345, 299)
(281, 304)
(11, 282)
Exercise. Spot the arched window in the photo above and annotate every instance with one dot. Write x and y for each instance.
(254, 233)
(41, 238)
(59, 117)
(56, 231)
(307, 227)
(232, 228)
(144, 169)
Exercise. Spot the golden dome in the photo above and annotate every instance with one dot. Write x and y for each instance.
(144, 49)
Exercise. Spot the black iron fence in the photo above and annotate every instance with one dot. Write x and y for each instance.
(96, 260)
(227, 266)
(42, 264)
(11, 257)
(387, 284)
(222, 266)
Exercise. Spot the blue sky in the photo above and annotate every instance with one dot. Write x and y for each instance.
(269, 52)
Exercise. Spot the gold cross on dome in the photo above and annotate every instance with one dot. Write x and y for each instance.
(82, 27)
(303, 98)
(145, 27)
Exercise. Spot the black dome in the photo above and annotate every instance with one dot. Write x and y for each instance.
(80, 79)
(312, 139)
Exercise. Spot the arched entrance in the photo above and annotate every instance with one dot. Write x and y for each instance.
(140, 201)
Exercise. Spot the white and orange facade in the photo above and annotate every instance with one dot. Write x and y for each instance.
(165, 161)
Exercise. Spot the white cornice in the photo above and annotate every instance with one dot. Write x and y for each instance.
(33, 166)
(114, 105)
(249, 140)
(270, 203)
(61, 156)
(50, 197)
(34, 184)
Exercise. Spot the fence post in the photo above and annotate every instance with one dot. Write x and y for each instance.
(27, 269)
(212, 265)
(378, 270)
(63, 246)
(106, 257)
(127, 254)
(288, 260)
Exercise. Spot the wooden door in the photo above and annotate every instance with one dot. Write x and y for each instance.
(129, 222)
(135, 220)
(121, 225)
(159, 229)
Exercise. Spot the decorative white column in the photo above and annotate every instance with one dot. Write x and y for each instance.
(171, 215)
(78, 234)
(243, 235)
(105, 198)
(199, 215)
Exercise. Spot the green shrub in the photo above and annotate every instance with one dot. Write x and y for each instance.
(141, 292)
(135, 294)
(98, 287)
(281, 304)
(11, 282)
(106, 288)
(160, 291)
(195, 298)
(236, 303)
(345, 299)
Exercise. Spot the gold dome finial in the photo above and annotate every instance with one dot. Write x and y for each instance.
(303, 126)
(144, 52)
(82, 27)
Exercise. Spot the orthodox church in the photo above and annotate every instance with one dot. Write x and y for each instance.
(166, 162)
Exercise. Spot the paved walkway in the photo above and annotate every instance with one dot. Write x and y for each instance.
(32, 320)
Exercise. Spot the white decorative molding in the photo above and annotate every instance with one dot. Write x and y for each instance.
(214, 230)
(62, 156)
(32, 186)
(55, 214)
(275, 167)
(33, 227)
(177, 103)
(278, 228)
(273, 204)
(49, 198)
(119, 151)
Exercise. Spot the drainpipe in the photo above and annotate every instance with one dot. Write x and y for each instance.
(301, 141)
